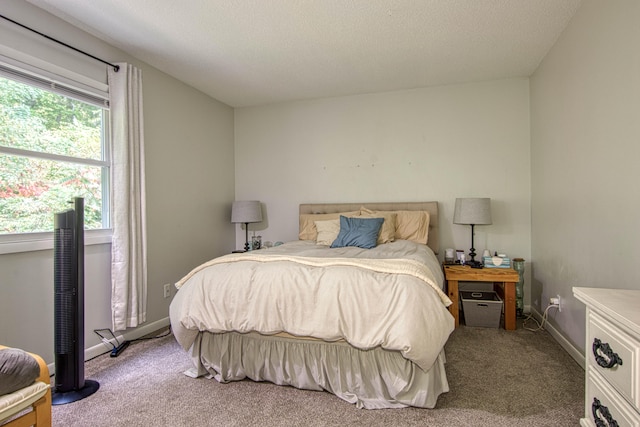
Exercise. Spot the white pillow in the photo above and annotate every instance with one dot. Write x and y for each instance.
(327, 231)
(308, 229)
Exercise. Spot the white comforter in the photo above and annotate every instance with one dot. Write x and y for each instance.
(389, 296)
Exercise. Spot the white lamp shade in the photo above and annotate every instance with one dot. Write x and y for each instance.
(475, 211)
(245, 211)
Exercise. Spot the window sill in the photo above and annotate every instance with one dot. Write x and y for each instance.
(29, 242)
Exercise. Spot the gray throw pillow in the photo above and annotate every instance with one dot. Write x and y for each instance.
(18, 369)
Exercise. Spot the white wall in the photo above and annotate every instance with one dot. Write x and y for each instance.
(563, 188)
(435, 143)
(190, 187)
(585, 111)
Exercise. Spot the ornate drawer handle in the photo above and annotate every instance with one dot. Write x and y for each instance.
(611, 359)
(596, 407)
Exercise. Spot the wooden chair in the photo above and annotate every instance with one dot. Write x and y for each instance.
(30, 406)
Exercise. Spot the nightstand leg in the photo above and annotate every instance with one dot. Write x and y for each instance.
(509, 296)
(452, 292)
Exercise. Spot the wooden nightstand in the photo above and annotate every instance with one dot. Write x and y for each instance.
(504, 283)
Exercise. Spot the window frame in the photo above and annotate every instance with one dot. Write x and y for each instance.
(40, 241)
(97, 96)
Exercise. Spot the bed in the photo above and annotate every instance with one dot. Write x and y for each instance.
(365, 320)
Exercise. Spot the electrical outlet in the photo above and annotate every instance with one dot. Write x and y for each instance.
(167, 290)
(557, 301)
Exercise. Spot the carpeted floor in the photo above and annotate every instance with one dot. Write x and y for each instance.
(497, 378)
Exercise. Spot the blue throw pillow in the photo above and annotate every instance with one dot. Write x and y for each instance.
(360, 232)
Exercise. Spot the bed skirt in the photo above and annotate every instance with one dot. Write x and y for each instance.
(371, 379)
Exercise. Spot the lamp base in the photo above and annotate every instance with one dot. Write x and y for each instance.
(246, 237)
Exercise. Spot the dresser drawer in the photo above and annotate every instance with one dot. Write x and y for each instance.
(606, 404)
(619, 352)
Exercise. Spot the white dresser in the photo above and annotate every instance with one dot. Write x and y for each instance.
(612, 351)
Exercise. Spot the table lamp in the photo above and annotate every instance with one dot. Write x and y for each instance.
(245, 212)
(472, 211)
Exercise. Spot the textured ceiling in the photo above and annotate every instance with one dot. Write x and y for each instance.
(253, 52)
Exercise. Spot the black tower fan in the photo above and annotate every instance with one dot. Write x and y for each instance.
(68, 258)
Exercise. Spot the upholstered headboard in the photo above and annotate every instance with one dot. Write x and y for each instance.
(431, 207)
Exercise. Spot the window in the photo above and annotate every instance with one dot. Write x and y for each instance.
(53, 147)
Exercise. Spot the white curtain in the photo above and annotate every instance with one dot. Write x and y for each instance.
(128, 211)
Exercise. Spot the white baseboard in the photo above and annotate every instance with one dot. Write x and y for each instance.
(129, 335)
(564, 343)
